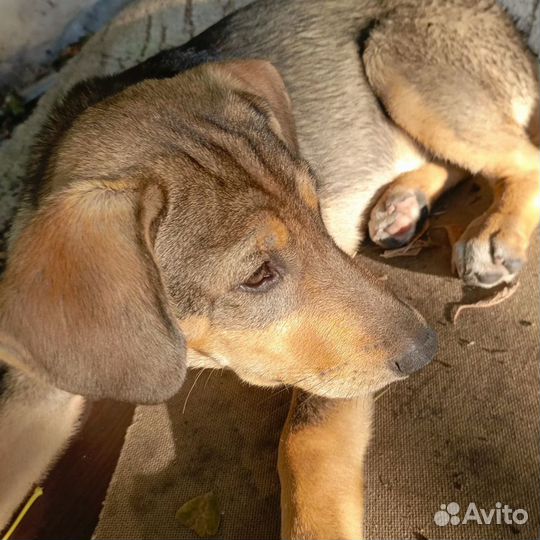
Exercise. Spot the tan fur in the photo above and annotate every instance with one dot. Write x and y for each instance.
(307, 350)
(432, 180)
(314, 453)
(273, 234)
(307, 191)
(507, 158)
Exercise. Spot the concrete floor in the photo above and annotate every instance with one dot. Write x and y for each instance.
(33, 32)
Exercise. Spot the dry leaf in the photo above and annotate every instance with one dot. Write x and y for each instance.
(413, 248)
(497, 298)
(201, 515)
(406, 251)
(410, 250)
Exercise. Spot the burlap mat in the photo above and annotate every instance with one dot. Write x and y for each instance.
(464, 430)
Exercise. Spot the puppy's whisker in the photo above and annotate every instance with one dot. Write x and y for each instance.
(285, 387)
(191, 390)
(311, 391)
(209, 375)
(275, 410)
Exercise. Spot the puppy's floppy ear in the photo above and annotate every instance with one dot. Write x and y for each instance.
(82, 304)
(261, 78)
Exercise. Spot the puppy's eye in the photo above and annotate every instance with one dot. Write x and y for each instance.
(262, 279)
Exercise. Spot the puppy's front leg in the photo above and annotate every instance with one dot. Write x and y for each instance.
(321, 467)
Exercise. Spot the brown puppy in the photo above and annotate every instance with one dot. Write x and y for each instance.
(178, 215)
(173, 211)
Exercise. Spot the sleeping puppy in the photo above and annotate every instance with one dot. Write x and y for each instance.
(170, 214)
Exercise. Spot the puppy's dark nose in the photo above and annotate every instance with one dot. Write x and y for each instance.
(419, 354)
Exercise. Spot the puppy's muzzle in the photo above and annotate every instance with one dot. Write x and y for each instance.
(420, 353)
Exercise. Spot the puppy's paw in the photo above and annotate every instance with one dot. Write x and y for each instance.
(397, 217)
(490, 252)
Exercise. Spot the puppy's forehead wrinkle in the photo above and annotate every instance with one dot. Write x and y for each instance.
(261, 144)
(224, 136)
(243, 116)
(260, 110)
(230, 159)
(213, 158)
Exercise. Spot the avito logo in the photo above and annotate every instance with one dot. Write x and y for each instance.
(449, 514)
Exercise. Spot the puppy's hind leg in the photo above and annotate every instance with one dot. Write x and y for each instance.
(464, 86)
(404, 206)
